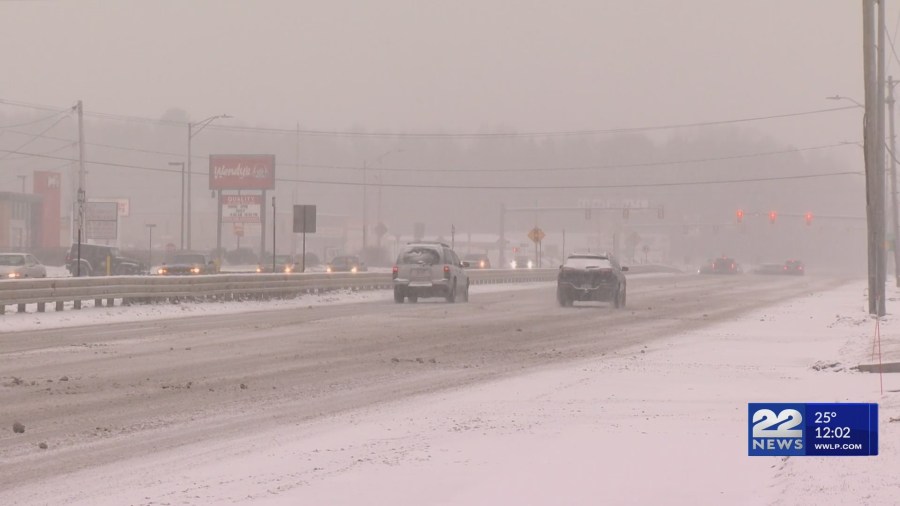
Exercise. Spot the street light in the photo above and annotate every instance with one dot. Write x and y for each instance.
(150, 246)
(850, 99)
(365, 196)
(181, 223)
(191, 133)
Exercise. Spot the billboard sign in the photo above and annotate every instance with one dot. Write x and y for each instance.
(241, 208)
(241, 172)
(101, 229)
(101, 220)
(123, 204)
(101, 211)
(304, 219)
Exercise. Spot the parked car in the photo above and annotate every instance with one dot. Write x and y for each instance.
(430, 269)
(98, 260)
(478, 260)
(21, 265)
(346, 264)
(283, 263)
(591, 277)
(185, 264)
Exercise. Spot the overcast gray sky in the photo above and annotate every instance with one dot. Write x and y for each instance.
(460, 66)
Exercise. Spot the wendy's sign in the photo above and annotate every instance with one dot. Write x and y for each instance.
(241, 172)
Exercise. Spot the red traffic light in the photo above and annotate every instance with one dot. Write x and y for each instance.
(740, 215)
(808, 217)
(772, 216)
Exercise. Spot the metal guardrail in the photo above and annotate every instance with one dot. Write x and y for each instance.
(144, 289)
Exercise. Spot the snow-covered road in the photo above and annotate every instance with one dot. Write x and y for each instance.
(507, 400)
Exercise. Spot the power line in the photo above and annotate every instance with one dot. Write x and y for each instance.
(34, 138)
(582, 167)
(483, 187)
(443, 135)
(25, 157)
(488, 170)
(437, 135)
(32, 122)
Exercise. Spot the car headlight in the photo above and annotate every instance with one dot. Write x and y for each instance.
(481, 264)
(288, 269)
(161, 271)
(195, 270)
(259, 269)
(353, 269)
(14, 275)
(328, 269)
(530, 264)
(513, 264)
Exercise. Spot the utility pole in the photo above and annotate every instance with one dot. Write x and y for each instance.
(895, 216)
(880, 160)
(82, 195)
(188, 217)
(873, 70)
(181, 223)
(365, 231)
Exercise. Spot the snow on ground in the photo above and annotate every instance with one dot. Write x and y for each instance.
(90, 315)
(661, 423)
(57, 271)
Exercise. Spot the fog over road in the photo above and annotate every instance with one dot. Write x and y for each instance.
(104, 393)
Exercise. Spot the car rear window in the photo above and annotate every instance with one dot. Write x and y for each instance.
(420, 255)
(588, 263)
(189, 259)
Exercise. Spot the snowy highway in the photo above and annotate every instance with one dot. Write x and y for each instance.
(102, 393)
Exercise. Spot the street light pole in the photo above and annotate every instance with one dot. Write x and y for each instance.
(191, 133)
(180, 223)
(150, 245)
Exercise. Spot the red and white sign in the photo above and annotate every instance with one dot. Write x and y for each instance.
(241, 172)
(241, 208)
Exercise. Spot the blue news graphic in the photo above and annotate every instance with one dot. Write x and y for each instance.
(835, 429)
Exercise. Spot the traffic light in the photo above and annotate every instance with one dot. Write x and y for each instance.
(587, 213)
(772, 217)
(661, 213)
(808, 218)
(625, 213)
(740, 215)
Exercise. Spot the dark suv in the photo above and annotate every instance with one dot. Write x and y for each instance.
(94, 260)
(430, 269)
(591, 277)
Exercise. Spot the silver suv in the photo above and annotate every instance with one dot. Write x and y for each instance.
(430, 269)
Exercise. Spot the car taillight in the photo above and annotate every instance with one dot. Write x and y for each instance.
(732, 266)
(394, 272)
(785, 267)
(800, 268)
(447, 272)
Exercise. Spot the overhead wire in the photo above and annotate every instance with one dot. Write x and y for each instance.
(445, 135)
(480, 187)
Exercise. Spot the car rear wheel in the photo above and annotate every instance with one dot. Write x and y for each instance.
(398, 296)
(563, 298)
(620, 298)
(466, 293)
(413, 298)
(451, 297)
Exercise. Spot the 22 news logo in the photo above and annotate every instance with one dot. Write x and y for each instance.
(777, 429)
